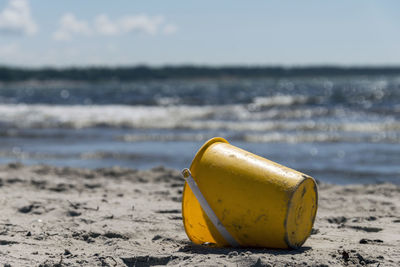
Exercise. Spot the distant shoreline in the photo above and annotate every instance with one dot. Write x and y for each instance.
(140, 73)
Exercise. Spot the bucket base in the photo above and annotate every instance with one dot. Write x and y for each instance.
(301, 213)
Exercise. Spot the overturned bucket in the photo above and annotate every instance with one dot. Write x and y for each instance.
(235, 198)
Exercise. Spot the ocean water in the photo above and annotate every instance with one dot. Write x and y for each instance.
(339, 130)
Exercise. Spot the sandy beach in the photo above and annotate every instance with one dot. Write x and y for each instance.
(103, 105)
(54, 216)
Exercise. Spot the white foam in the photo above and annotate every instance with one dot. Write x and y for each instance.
(80, 116)
(228, 117)
(278, 100)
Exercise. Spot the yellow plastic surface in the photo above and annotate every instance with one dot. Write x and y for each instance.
(260, 203)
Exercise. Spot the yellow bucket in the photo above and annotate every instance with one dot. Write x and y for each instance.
(235, 198)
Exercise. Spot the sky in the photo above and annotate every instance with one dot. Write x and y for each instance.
(175, 32)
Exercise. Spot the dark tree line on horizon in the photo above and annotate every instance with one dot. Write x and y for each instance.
(10, 74)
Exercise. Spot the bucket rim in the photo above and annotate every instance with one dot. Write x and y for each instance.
(196, 158)
(204, 147)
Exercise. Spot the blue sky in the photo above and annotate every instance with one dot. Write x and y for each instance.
(100, 32)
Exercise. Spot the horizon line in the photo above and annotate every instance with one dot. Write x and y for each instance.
(205, 66)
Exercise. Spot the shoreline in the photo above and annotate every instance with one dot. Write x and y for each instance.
(125, 217)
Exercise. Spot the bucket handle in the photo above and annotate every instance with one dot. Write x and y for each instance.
(187, 175)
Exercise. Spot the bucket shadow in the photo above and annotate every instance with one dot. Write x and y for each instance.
(202, 249)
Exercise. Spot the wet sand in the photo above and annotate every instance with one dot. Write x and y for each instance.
(121, 217)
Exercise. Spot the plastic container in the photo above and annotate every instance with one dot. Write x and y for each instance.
(258, 202)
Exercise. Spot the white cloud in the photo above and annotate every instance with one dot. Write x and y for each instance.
(103, 25)
(170, 29)
(16, 18)
(69, 26)
(140, 23)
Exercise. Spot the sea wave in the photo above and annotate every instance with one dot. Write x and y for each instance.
(273, 137)
(18, 153)
(279, 100)
(238, 118)
(258, 93)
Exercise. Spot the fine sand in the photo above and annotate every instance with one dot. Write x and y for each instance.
(119, 217)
